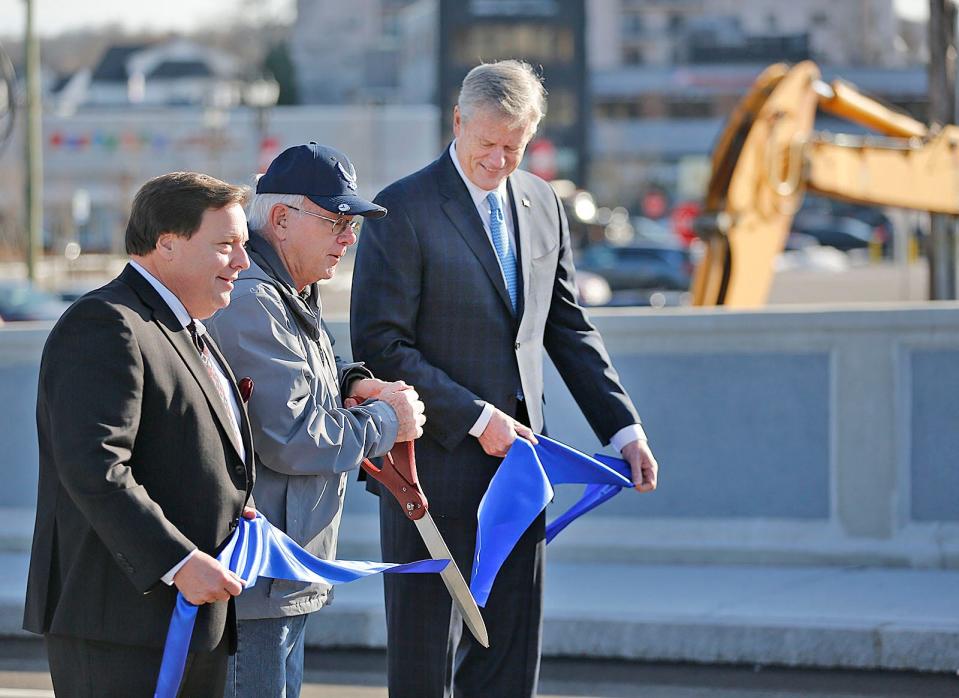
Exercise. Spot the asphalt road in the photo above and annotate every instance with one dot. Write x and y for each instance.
(361, 674)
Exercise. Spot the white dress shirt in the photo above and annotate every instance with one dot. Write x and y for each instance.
(620, 438)
(184, 318)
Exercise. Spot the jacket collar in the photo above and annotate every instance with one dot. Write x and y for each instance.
(162, 312)
(461, 211)
(268, 259)
(180, 338)
(305, 310)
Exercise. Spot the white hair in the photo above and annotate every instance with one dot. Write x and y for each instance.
(258, 212)
(510, 87)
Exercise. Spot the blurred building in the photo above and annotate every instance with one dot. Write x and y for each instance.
(176, 72)
(550, 35)
(664, 32)
(419, 53)
(638, 91)
(96, 159)
(351, 56)
(415, 51)
(665, 74)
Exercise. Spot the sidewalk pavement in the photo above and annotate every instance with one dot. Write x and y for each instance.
(853, 617)
(792, 616)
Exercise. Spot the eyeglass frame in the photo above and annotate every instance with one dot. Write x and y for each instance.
(351, 225)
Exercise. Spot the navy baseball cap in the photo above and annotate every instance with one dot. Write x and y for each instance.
(323, 175)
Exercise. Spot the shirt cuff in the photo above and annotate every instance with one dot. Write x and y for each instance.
(627, 435)
(479, 426)
(168, 577)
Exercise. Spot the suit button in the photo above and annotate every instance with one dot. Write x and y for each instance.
(239, 470)
(516, 346)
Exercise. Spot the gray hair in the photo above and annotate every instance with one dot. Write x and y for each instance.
(258, 213)
(510, 87)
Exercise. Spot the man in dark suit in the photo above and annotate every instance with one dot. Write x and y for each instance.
(145, 454)
(458, 291)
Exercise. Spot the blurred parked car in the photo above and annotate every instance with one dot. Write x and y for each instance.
(843, 225)
(21, 300)
(648, 230)
(74, 291)
(639, 266)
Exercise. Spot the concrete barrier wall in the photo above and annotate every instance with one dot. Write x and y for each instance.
(800, 436)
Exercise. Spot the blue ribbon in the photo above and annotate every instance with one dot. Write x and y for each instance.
(521, 489)
(255, 550)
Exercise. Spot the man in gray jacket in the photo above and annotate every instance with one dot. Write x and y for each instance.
(314, 417)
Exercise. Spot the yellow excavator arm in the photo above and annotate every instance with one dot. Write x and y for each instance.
(768, 156)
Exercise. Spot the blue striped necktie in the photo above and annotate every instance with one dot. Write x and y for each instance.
(507, 260)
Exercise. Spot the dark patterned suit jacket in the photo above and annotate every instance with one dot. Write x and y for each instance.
(430, 307)
(137, 466)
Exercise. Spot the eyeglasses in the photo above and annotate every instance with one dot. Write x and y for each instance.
(340, 224)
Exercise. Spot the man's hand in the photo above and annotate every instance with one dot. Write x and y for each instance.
(406, 402)
(364, 389)
(204, 580)
(501, 432)
(643, 464)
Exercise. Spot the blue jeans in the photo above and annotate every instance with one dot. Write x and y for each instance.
(268, 659)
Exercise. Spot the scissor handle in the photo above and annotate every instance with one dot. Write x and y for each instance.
(398, 475)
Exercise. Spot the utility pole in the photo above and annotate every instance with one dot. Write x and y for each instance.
(942, 110)
(33, 146)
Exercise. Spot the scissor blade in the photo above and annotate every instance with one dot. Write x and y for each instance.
(453, 578)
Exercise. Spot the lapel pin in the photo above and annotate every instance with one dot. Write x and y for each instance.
(526, 203)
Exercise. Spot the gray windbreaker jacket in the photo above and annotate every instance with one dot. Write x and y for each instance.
(306, 442)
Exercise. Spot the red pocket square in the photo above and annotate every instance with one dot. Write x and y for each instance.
(246, 388)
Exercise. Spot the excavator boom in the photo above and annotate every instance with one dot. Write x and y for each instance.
(768, 156)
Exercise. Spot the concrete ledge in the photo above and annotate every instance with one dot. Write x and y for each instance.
(785, 642)
(598, 539)
(854, 468)
(864, 575)
(348, 625)
(17, 533)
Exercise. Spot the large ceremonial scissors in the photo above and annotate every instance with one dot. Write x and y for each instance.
(398, 475)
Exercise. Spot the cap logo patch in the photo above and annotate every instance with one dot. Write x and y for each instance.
(344, 207)
(349, 176)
